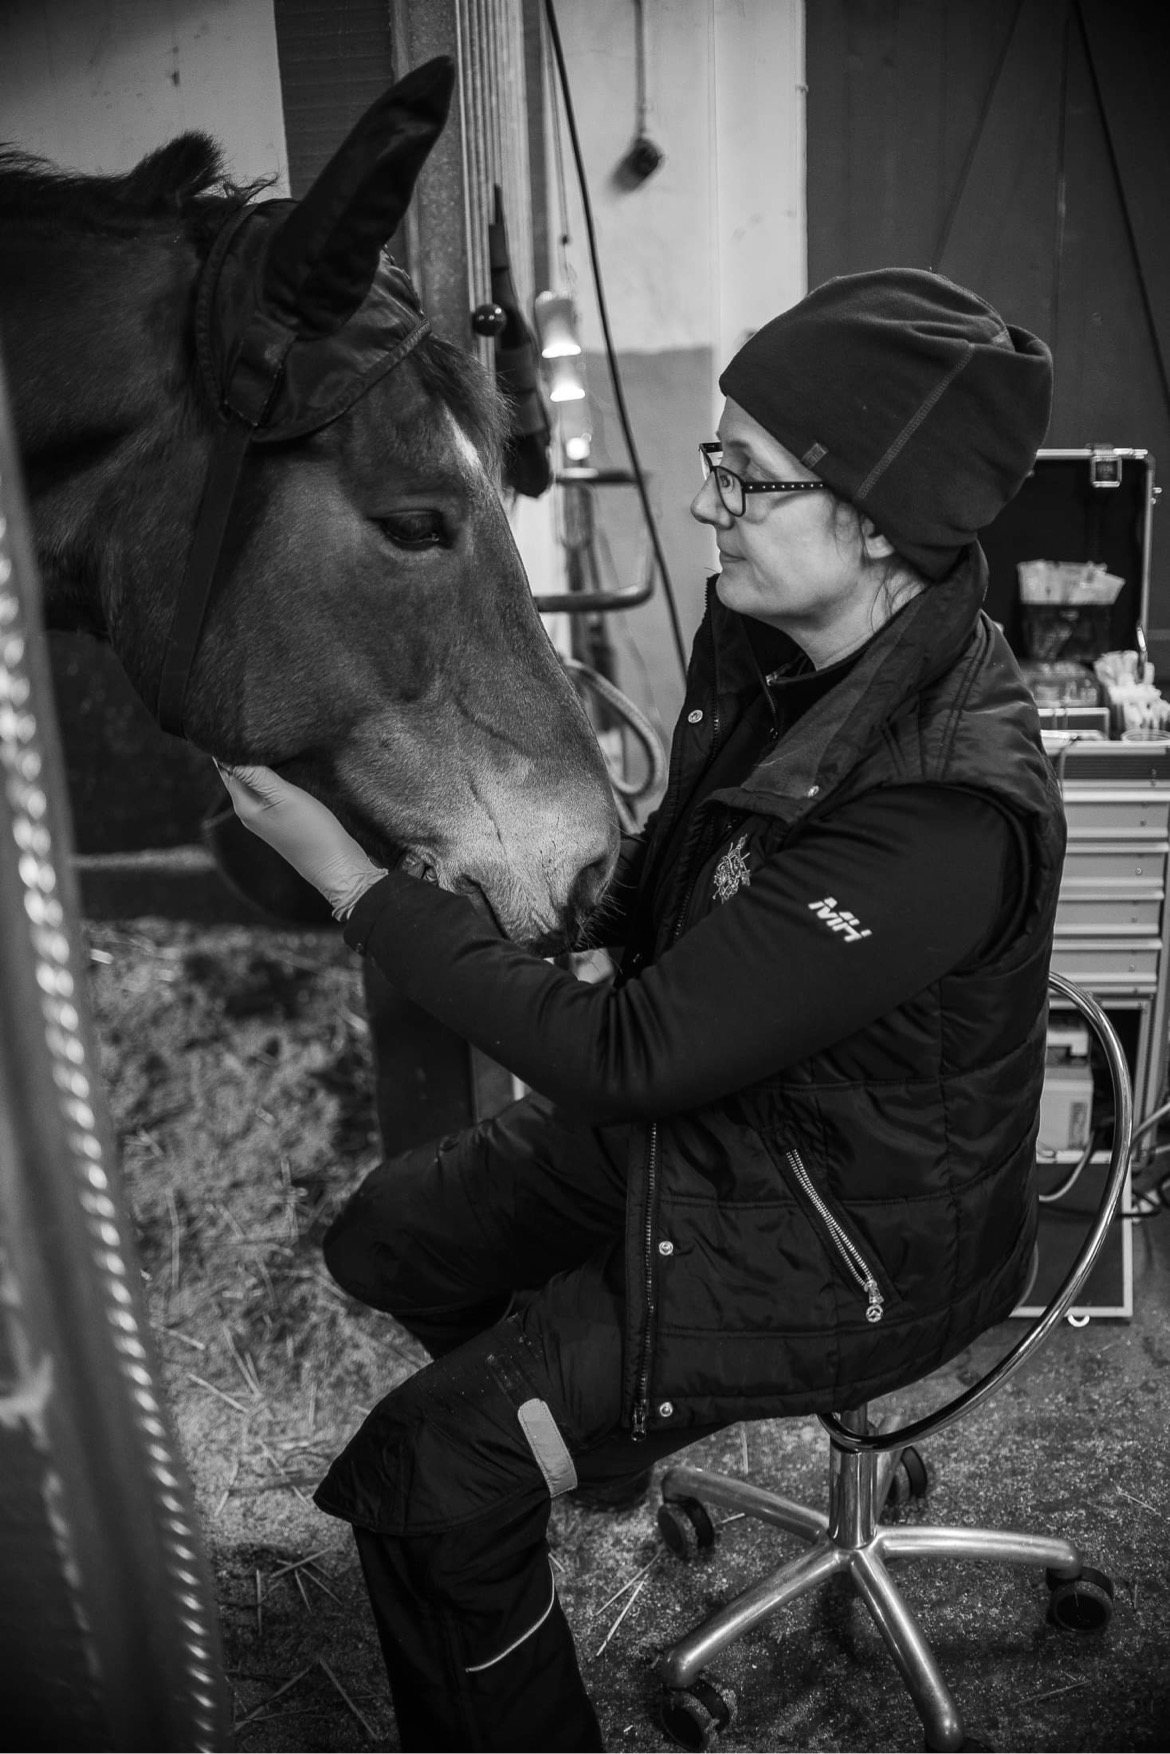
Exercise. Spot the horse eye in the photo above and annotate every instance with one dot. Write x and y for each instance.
(414, 529)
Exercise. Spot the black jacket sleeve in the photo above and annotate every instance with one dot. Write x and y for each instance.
(613, 922)
(764, 980)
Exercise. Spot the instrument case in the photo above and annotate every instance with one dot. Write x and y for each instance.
(1095, 503)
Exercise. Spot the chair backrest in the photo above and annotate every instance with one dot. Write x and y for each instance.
(1119, 1156)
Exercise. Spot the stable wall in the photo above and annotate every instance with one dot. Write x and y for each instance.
(94, 86)
(710, 247)
(1021, 147)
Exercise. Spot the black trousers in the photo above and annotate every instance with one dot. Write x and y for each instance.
(501, 1249)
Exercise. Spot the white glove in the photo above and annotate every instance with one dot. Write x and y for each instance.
(303, 831)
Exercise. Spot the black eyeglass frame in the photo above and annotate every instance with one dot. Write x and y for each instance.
(746, 487)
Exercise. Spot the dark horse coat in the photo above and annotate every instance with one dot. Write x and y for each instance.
(846, 1222)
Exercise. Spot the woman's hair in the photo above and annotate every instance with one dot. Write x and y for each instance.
(898, 579)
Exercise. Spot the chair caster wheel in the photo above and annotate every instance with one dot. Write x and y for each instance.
(696, 1716)
(910, 1478)
(1080, 1604)
(687, 1530)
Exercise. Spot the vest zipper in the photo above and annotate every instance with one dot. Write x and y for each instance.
(642, 1398)
(680, 917)
(859, 1268)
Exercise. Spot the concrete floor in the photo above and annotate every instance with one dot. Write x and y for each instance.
(1075, 1444)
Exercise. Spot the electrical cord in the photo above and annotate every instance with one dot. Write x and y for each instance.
(1148, 1202)
(610, 352)
(1074, 1176)
(625, 792)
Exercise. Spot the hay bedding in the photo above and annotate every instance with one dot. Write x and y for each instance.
(237, 1066)
(236, 1062)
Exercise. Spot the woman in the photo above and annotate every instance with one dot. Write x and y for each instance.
(783, 1162)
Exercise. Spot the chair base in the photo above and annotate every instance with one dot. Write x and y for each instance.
(851, 1540)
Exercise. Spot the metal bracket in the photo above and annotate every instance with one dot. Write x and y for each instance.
(1105, 466)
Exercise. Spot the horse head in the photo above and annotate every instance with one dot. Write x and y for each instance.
(260, 476)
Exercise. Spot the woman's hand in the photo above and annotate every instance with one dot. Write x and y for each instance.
(304, 832)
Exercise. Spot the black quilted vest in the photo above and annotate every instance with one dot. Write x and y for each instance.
(844, 1227)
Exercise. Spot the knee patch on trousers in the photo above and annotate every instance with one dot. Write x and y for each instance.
(547, 1446)
(453, 1443)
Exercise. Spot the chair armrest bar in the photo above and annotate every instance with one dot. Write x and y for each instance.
(1119, 1157)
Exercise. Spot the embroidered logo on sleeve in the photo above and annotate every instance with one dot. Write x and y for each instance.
(731, 873)
(839, 920)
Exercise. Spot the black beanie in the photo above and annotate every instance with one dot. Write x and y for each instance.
(909, 396)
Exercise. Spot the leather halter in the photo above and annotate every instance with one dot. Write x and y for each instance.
(269, 382)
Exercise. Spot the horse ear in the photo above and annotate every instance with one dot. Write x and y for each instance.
(173, 174)
(322, 259)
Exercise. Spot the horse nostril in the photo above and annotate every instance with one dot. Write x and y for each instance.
(588, 887)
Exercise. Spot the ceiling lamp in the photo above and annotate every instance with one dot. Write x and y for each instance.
(566, 381)
(556, 324)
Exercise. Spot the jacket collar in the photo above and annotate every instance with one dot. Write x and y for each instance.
(916, 646)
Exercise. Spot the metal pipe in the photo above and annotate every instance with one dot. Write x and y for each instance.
(1077, 1274)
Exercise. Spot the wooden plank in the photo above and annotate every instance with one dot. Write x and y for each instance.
(334, 62)
(1129, 53)
(1107, 378)
(1001, 235)
(895, 94)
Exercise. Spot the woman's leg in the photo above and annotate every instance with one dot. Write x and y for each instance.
(449, 1484)
(442, 1236)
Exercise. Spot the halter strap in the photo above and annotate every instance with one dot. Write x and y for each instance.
(201, 572)
(215, 507)
(256, 404)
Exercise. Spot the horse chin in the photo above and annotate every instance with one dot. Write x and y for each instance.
(507, 921)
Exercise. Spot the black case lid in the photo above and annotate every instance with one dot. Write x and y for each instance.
(1059, 515)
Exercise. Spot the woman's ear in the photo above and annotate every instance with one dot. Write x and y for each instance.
(874, 545)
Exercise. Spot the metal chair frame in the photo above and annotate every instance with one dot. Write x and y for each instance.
(862, 1464)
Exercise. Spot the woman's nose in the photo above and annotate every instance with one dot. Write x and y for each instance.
(708, 508)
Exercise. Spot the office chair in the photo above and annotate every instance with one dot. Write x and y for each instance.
(850, 1539)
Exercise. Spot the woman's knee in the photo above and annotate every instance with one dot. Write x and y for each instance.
(373, 1237)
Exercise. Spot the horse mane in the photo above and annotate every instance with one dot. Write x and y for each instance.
(183, 180)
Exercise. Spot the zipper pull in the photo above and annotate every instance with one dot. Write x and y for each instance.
(873, 1291)
(638, 1434)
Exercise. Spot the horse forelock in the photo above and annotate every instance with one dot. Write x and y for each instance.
(468, 393)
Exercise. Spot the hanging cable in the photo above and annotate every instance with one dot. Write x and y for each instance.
(610, 352)
(639, 69)
(1071, 1180)
(567, 277)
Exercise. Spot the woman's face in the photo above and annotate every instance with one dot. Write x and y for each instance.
(791, 559)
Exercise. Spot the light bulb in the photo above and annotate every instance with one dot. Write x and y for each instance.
(566, 383)
(556, 324)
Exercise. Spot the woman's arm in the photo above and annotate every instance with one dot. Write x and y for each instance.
(613, 920)
(759, 983)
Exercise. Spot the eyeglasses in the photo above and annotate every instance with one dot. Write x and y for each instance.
(731, 487)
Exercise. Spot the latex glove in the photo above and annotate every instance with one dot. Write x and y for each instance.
(303, 831)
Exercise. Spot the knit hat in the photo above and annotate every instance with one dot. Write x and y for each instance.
(909, 396)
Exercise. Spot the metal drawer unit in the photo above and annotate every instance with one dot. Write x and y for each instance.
(1113, 938)
(1096, 502)
(1112, 922)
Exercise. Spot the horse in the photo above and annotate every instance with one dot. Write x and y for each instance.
(238, 403)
